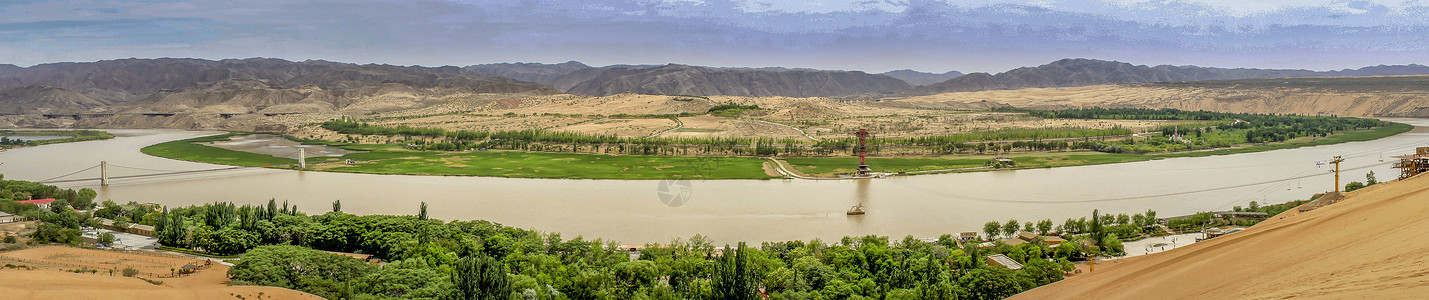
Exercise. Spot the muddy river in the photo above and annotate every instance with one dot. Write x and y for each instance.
(638, 211)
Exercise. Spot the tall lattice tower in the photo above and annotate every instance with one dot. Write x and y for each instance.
(863, 168)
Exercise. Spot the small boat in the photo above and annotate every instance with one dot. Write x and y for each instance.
(856, 210)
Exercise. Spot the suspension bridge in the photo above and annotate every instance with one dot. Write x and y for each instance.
(106, 176)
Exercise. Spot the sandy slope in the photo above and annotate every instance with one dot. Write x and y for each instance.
(1298, 101)
(1371, 245)
(53, 284)
(48, 278)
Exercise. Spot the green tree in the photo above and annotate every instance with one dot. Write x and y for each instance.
(422, 213)
(121, 223)
(85, 199)
(733, 277)
(480, 277)
(1042, 271)
(1044, 226)
(992, 229)
(1369, 179)
(1010, 228)
(1112, 244)
(992, 283)
(1352, 186)
(337, 206)
(1096, 230)
(324, 274)
(105, 238)
(54, 233)
(272, 210)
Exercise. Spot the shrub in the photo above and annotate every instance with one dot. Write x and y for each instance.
(130, 272)
(105, 238)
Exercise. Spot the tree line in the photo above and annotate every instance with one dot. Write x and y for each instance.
(432, 259)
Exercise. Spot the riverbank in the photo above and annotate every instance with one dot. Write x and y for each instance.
(74, 136)
(825, 167)
(394, 159)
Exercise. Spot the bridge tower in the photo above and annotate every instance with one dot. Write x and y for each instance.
(863, 167)
(302, 158)
(103, 173)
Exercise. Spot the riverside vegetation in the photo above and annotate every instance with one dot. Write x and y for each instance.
(279, 245)
(72, 136)
(557, 154)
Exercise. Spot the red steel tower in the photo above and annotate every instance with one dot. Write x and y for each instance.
(863, 168)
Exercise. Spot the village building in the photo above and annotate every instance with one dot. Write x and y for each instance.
(139, 229)
(9, 218)
(1003, 261)
(42, 203)
(967, 236)
(1028, 237)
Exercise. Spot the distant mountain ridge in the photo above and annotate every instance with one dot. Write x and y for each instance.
(128, 79)
(916, 78)
(1084, 72)
(578, 78)
(676, 79)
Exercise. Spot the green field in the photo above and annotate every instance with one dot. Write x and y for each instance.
(394, 159)
(832, 166)
(188, 150)
(522, 164)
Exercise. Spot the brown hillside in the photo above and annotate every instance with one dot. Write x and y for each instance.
(1398, 96)
(1369, 246)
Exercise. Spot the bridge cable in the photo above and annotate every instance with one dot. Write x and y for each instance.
(65, 175)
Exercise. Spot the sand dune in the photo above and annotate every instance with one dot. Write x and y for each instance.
(1369, 246)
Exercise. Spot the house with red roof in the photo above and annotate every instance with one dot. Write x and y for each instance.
(42, 203)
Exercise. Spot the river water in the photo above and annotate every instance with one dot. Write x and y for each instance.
(640, 211)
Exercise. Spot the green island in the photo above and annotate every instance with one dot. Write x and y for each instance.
(64, 136)
(434, 259)
(572, 155)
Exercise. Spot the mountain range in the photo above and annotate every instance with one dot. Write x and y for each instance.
(1085, 72)
(279, 86)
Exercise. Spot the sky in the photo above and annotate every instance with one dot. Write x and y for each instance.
(866, 35)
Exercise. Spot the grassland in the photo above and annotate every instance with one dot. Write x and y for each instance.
(521, 164)
(188, 150)
(833, 166)
(394, 159)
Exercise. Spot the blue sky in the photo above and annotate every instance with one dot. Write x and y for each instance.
(869, 35)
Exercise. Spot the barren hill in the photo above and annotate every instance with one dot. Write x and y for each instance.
(1085, 72)
(128, 79)
(1367, 246)
(916, 78)
(691, 80)
(45, 99)
(1397, 96)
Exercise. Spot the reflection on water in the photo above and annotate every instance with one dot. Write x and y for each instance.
(860, 201)
(629, 211)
